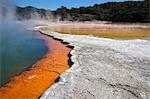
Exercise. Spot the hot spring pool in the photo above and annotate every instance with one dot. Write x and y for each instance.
(19, 49)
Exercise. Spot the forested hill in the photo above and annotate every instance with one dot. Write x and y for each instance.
(128, 11)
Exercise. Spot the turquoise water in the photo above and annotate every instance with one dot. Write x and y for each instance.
(19, 49)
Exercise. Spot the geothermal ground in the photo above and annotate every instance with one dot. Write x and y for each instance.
(103, 69)
(117, 31)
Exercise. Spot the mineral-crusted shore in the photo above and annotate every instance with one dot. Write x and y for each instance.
(103, 69)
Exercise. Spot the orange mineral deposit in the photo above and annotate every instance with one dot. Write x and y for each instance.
(32, 83)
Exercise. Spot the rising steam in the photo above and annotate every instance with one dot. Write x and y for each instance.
(16, 45)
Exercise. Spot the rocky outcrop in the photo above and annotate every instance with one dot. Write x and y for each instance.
(103, 69)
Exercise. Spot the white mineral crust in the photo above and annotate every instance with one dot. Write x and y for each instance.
(103, 69)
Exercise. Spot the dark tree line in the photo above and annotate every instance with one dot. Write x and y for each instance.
(128, 11)
(32, 13)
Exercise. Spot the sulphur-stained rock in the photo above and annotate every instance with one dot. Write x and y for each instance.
(103, 69)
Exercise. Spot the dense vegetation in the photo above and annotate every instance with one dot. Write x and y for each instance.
(32, 13)
(128, 11)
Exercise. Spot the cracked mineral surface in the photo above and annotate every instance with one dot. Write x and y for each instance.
(103, 69)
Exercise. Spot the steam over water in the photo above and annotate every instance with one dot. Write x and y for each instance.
(19, 49)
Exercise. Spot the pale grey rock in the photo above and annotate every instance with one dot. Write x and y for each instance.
(103, 69)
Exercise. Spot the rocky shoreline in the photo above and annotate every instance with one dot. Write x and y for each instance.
(103, 69)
